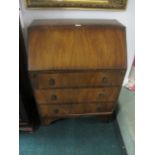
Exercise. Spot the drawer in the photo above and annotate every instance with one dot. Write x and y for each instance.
(80, 95)
(72, 109)
(77, 79)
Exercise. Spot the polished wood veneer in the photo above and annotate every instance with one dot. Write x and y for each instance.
(78, 95)
(76, 70)
(67, 79)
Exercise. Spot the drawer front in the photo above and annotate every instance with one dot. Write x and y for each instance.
(73, 109)
(77, 79)
(80, 95)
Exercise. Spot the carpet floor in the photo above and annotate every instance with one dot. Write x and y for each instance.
(74, 136)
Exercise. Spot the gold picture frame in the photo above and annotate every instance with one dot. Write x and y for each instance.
(100, 4)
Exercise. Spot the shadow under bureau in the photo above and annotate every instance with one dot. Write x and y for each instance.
(76, 67)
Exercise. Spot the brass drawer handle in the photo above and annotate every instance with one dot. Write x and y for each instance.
(104, 80)
(52, 82)
(122, 72)
(101, 95)
(34, 75)
(99, 109)
(56, 111)
(53, 97)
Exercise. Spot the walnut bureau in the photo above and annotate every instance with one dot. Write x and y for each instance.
(76, 68)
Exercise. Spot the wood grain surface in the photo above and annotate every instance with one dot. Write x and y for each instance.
(53, 96)
(46, 80)
(72, 47)
(76, 69)
(47, 111)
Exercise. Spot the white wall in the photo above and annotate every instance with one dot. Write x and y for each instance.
(126, 119)
(126, 17)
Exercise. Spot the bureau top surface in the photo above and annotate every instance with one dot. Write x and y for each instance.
(76, 47)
